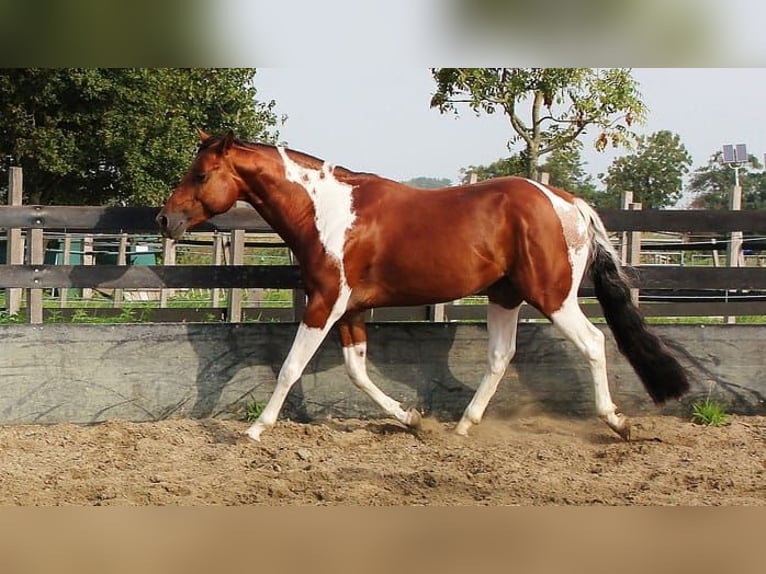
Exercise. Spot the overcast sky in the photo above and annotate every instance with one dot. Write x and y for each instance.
(378, 118)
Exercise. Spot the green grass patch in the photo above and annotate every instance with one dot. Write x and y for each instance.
(253, 410)
(709, 413)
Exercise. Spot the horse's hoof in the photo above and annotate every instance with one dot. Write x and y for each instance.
(414, 420)
(624, 432)
(621, 427)
(254, 432)
(462, 427)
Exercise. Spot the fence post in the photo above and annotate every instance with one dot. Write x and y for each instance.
(218, 250)
(15, 245)
(634, 250)
(234, 300)
(168, 258)
(35, 256)
(88, 258)
(630, 245)
(122, 259)
(66, 255)
(734, 256)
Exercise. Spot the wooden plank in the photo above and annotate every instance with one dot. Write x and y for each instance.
(150, 276)
(478, 313)
(142, 219)
(118, 219)
(288, 277)
(455, 313)
(662, 277)
(714, 221)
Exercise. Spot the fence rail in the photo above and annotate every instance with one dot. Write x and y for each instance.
(34, 275)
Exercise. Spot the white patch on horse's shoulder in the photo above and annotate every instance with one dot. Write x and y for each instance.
(332, 203)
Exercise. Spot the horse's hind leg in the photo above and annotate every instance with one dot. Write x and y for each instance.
(573, 323)
(502, 321)
(353, 337)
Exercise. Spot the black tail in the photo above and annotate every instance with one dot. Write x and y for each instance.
(662, 375)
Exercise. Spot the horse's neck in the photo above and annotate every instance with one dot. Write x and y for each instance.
(286, 211)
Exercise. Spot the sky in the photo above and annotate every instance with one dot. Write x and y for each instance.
(378, 119)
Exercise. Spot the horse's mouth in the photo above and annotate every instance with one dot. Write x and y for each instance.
(171, 228)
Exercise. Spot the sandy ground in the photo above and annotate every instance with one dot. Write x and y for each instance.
(530, 460)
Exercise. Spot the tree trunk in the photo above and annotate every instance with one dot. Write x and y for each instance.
(532, 156)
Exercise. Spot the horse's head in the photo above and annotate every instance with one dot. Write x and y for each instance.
(210, 186)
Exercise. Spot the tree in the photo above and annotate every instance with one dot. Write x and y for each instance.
(563, 104)
(108, 136)
(428, 182)
(564, 166)
(566, 171)
(654, 173)
(712, 184)
(513, 165)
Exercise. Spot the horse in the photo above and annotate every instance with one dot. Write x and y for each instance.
(364, 241)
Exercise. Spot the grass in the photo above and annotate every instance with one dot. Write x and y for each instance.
(709, 413)
(253, 410)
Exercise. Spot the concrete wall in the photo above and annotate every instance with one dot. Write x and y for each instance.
(87, 373)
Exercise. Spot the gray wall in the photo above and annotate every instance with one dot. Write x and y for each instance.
(87, 373)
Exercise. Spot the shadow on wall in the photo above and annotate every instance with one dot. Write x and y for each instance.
(437, 367)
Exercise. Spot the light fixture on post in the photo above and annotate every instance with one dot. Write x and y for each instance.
(735, 156)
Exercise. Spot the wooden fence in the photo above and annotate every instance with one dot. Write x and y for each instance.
(732, 290)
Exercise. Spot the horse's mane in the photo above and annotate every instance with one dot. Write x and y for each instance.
(307, 160)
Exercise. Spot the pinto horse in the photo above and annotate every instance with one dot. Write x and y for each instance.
(364, 241)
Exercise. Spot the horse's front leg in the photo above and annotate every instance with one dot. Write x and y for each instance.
(305, 344)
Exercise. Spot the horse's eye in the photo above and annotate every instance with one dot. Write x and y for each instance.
(200, 177)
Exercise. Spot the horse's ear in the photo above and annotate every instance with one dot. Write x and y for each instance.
(203, 136)
(227, 141)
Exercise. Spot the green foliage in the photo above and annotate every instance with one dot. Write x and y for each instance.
(564, 166)
(654, 172)
(562, 104)
(253, 410)
(428, 182)
(514, 165)
(566, 171)
(712, 184)
(118, 136)
(710, 413)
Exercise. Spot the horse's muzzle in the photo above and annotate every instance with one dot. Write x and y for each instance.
(172, 226)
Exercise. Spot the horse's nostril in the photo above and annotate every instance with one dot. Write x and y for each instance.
(162, 220)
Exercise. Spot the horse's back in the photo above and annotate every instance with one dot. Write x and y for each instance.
(416, 245)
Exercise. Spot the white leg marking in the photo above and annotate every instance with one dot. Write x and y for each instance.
(501, 326)
(573, 323)
(355, 358)
(305, 344)
(590, 341)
